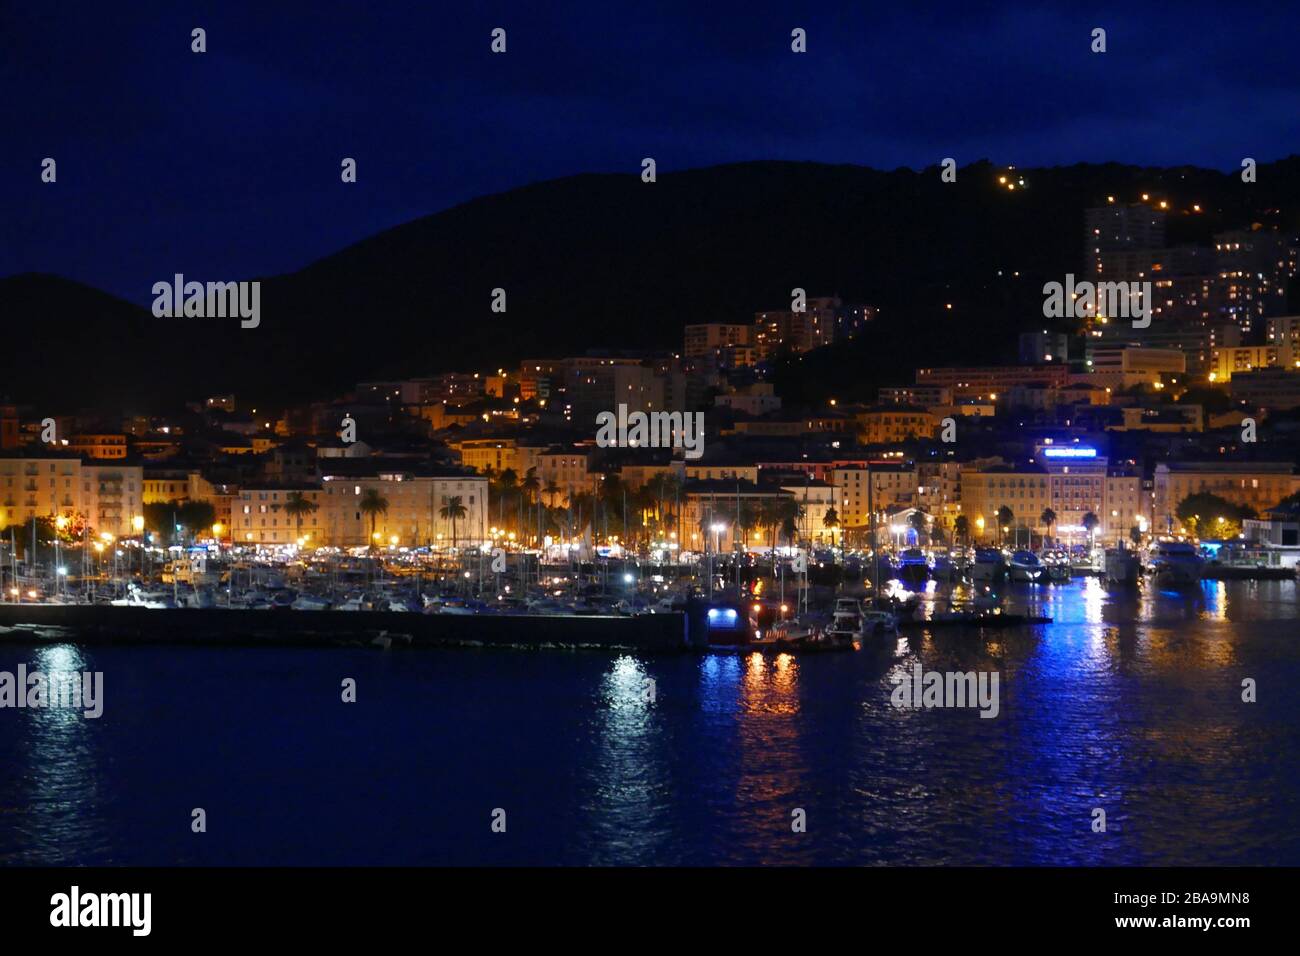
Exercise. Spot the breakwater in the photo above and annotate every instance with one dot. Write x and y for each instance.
(99, 624)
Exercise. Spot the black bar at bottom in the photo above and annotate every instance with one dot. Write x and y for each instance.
(334, 905)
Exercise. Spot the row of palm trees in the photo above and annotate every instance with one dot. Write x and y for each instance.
(641, 514)
(373, 504)
(612, 509)
(778, 517)
(1006, 517)
(637, 516)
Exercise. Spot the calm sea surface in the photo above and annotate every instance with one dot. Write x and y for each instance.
(1132, 704)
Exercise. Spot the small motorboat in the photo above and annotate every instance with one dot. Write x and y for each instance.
(310, 602)
(1025, 567)
(913, 568)
(353, 602)
(136, 596)
(942, 566)
(990, 566)
(792, 633)
(1057, 563)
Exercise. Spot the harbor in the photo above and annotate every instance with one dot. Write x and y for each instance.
(788, 601)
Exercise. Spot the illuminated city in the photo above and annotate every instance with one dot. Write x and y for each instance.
(865, 441)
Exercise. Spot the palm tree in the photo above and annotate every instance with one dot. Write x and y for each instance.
(961, 528)
(916, 521)
(1090, 522)
(531, 484)
(1048, 518)
(770, 517)
(528, 489)
(790, 513)
(1005, 517)
(373, 504)
(453, 510)
(646, 506)
(610, 499)
(750, 515)
(831, 519)
(789, 529)
(551, 490)
(297, 507)
(507, 482)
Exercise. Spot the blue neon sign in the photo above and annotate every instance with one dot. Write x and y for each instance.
(1076, 452)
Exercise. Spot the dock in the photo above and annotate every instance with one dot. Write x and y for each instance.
(217, 627)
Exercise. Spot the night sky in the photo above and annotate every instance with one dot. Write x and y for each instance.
(226, 164)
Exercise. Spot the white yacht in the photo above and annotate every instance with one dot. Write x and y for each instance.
(846, 624)
(990, 566)
(1025, 566)
(1057, 563)
(138, 597)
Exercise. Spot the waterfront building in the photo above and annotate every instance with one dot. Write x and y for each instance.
(39, 486)
(566, 468)
(1072, 481)
(111, 497)
(815, 498)
(53, 485)
(412, 518)
(890, 484)
(1258, 485)
(724, 514)
(259, 516)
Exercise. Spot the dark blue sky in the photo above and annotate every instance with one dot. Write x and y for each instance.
(226, 165)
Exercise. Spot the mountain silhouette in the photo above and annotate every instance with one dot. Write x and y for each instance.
(608, 261)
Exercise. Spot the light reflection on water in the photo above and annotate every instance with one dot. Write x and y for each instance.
(1129, 702)
(52, 767)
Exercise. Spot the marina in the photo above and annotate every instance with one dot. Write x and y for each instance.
(733, 601)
